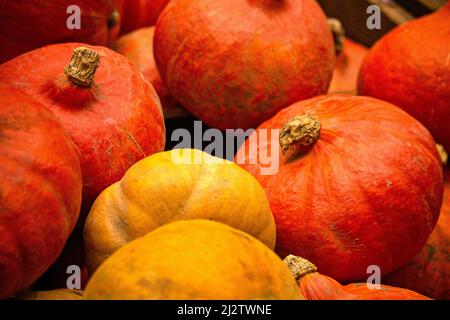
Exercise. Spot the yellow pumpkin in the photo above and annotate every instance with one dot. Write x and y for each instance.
(193, 259)
(58, 294)
(176, 185)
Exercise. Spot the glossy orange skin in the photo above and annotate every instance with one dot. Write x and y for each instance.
(30, 24)
(348, 63)
(138, 47)
(410, 67)
(429, 272)
(234, 64)
(40, 190)
(114, 124)
(316, 286)
(352, 200)
(140, 13)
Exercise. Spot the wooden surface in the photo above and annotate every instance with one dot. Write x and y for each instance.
(353, 16)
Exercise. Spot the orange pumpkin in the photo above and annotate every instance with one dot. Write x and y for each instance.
(29, 24)
(315, 286)
(429, 272)
(410, 67)
(138, 47)
(193, 259)
(234, 64)
(359, 183)
(112, 114)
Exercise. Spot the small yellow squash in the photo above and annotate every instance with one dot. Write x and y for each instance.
(176, 185)
(193, 259)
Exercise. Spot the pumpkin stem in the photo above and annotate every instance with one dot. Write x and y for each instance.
(299, 267)
(82, 67)
(298, 134)
(338, 34)
(442, 153)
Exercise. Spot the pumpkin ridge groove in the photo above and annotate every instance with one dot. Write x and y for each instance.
(204, 169)
(39, 173)
(340, 235)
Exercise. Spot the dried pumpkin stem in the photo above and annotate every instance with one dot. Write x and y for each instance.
(443, 154)
(82, 67)
(338, 34)
(298, 134)
(299, 267)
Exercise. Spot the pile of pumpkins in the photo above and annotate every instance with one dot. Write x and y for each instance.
(360, 181)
